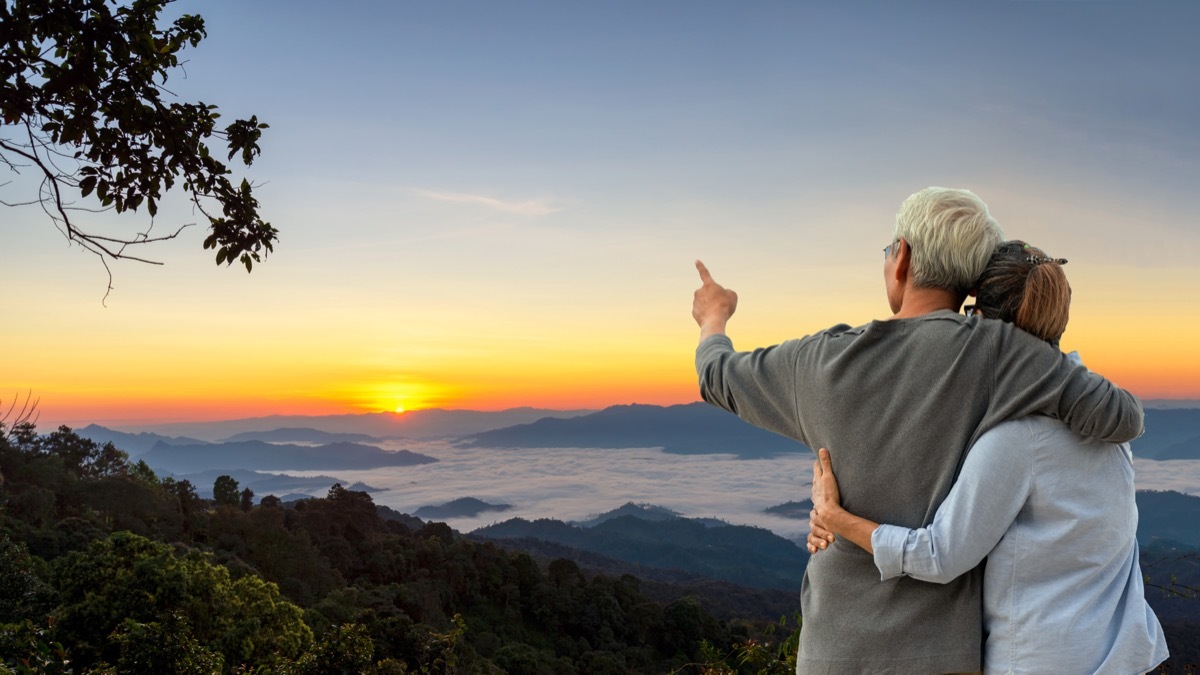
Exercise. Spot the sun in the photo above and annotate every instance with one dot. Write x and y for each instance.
(395, 397)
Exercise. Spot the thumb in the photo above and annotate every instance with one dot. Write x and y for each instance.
(826, 461)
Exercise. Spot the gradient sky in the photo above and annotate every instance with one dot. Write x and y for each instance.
(492, 204)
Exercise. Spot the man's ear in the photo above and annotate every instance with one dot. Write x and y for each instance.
(903, 258)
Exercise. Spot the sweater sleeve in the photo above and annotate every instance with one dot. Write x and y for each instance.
(759, 386)
(1030, 376)
(987, 497)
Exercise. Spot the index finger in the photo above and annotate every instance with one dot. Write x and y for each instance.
(704, 275)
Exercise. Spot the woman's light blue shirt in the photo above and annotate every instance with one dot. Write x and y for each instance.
(1054, 514)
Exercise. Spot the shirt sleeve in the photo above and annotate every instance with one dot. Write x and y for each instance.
(991, 490)
(1033, 377)
(757, 386)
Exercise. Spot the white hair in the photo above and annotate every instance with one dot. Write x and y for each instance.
(951, 235)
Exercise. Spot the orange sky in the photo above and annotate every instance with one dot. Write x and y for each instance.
(512, 216)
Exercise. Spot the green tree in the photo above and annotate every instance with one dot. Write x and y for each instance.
(26, 648)
(129, 578)
(342, 649)
(166, 646)
(225, 491)
(84, 106)
(23, 594)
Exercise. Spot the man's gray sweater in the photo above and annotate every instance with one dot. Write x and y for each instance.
(898, 403)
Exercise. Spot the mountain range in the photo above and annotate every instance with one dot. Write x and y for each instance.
(302, 435)
(414, 424)
(257, 455)
(1170, 434)
(134, 443)
(693, 428)
(698, 428)
(740, 554)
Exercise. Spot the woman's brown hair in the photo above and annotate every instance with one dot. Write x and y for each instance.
(1023, 285)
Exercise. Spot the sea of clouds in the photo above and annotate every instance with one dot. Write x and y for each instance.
(577, 483)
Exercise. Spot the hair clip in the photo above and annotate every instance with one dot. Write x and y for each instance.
(1039, 260)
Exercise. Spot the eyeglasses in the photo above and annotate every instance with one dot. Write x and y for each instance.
(888, 249)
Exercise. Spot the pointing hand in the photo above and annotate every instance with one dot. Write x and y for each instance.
(712, 304)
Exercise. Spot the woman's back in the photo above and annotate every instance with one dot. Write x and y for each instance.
(1063, 589)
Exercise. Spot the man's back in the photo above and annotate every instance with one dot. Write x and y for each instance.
(897, 402)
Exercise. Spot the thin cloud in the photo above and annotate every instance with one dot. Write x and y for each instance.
(529, 207)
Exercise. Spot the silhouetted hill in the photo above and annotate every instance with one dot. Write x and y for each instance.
(1168, 517)
(268, 456)
(643, 511)
(466, 507)
(694, 428)
(388, 513)
(740, 554)
(797, 510)
(134, 444)
(1170, 434)
(300, 435)
(430, 423)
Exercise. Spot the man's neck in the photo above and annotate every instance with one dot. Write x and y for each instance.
(922, 301)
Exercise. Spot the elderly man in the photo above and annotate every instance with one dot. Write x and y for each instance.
(898, 401)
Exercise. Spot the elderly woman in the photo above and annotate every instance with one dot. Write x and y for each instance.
(1052, 511)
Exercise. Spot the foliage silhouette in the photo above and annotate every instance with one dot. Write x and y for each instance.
(84, 106)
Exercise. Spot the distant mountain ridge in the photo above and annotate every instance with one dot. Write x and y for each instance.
(1170, 403)
(415, 424)
(132, 443)
(1170, 434)
(257, 455)
(693, 428)
(300, 435)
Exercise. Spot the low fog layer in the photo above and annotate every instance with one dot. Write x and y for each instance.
(575, 483)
